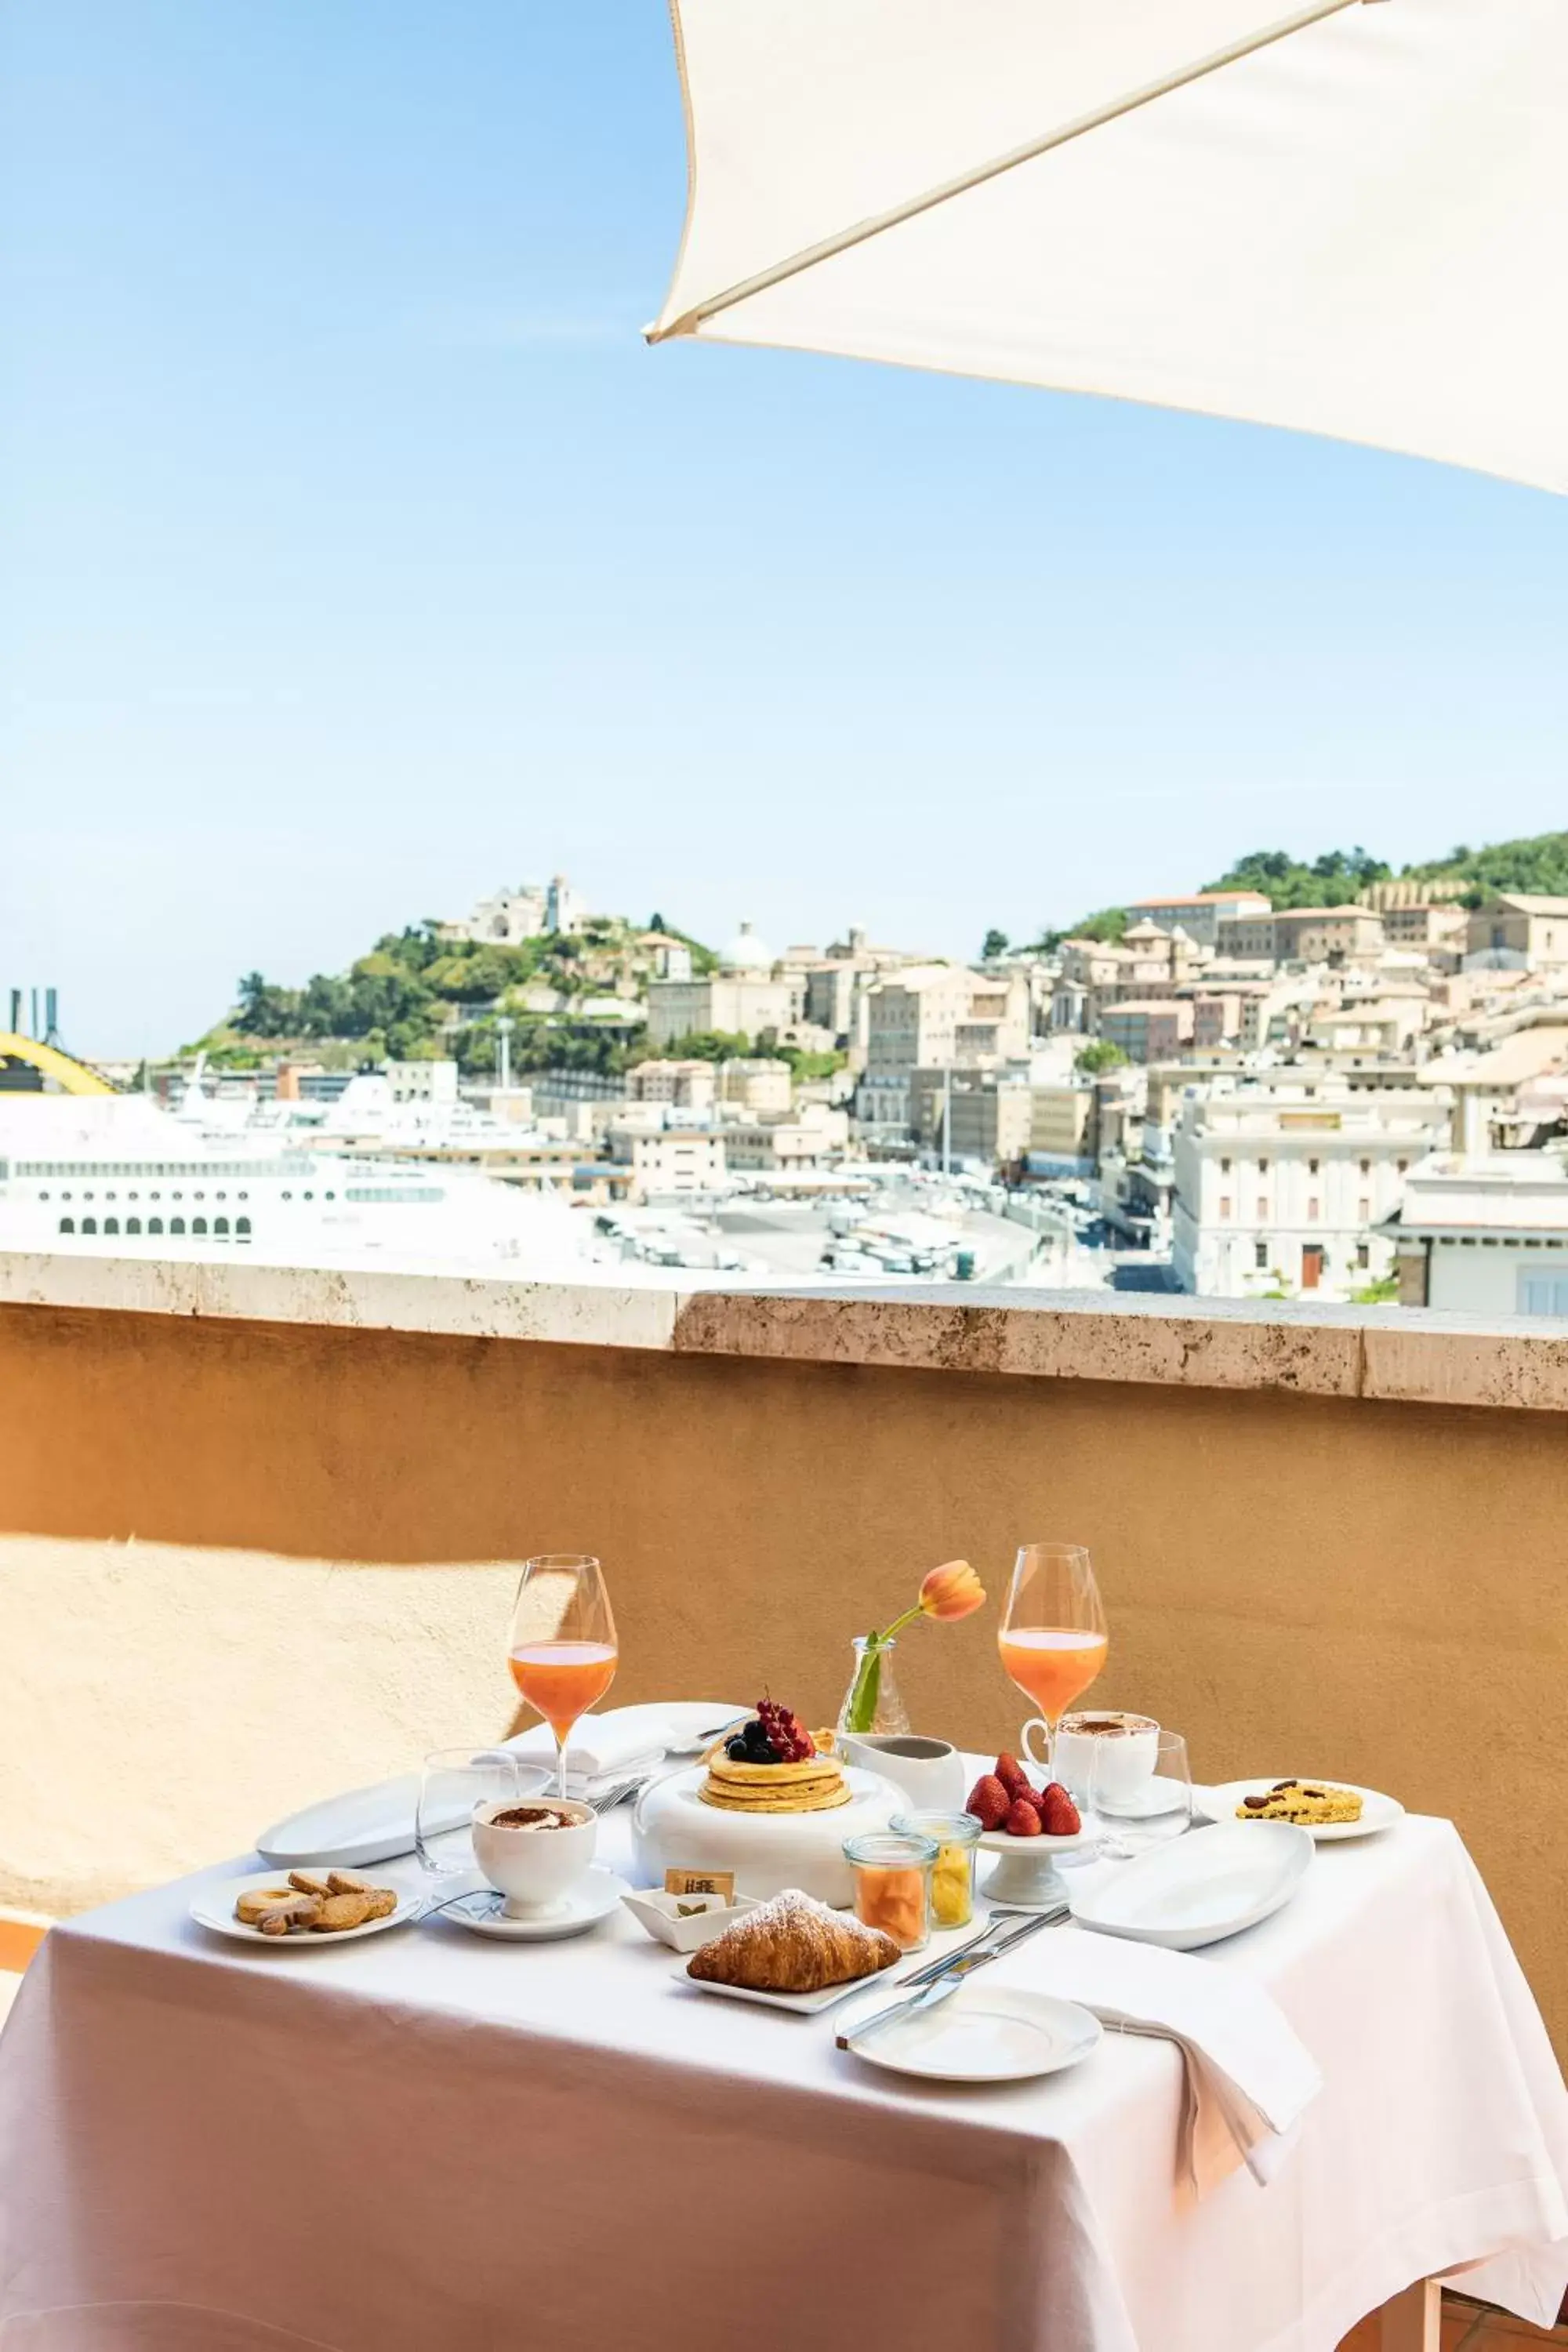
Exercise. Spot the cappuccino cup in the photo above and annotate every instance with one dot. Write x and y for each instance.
(534, 1852)
(1115, 1754)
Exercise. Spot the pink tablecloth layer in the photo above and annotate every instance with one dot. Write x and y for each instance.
(424, 2141)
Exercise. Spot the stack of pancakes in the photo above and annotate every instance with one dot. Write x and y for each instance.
(813, 1786)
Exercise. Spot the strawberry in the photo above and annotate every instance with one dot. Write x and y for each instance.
(988, 1801)
(1011, 1774)
(1059, 1816)
(1022, 1819)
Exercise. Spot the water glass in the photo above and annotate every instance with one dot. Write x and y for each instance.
(454, 1780)
(1133, 1820)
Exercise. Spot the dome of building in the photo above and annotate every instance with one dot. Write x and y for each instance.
(745, 952)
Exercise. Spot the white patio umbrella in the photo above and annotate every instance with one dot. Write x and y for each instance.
(1352, 219)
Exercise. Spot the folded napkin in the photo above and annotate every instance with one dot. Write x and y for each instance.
(601, 1745)
(1248, 2079)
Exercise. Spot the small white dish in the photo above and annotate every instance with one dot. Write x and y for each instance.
(1200, 1888)
(1377, 1811)
(800, 2004)
(984, 2033)
(214, 1908)
(663, 1917)
(593, 1897)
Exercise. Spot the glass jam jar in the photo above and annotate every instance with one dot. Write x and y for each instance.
(955, 1837)
(893, 1885)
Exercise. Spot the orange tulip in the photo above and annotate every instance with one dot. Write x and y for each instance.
(952, 1591)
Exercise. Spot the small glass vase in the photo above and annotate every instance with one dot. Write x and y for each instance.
(872, 1702)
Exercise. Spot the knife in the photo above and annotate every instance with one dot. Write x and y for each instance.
(946, 1976)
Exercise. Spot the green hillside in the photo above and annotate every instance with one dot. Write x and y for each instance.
(416, 994)
(1538, 862)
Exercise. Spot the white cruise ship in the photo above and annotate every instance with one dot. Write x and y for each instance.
(115, 1175)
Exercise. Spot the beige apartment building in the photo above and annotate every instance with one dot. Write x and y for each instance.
(1523, 924)
(935, 1017)
(988, 1114)
(665, 1160)
(746, 997)
(1148, 1030)
(760, 1085)
(690, 1086)
(1201, 913)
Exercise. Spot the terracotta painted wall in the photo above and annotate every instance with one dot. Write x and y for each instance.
(1373, 1589)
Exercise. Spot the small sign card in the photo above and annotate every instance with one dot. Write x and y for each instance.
(701, 1882)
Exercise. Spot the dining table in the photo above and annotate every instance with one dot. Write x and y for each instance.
(428, 2141)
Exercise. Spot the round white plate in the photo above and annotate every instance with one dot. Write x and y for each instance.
(214, 1908)
(990, 2033)
(1377, 1811)
(594, 1896)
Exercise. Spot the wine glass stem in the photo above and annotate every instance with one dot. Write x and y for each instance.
(561, 1739)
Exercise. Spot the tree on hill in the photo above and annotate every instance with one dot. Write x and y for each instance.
(994, 944)
(1538, 864)
(708, 1045)
(1332, 880)
(1101, 1054)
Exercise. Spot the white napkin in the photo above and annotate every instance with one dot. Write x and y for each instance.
(601, 1745)
(1249, 2078)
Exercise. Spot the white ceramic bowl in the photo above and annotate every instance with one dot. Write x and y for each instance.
(660, 1914)
(534, 1868)
(673, 1829)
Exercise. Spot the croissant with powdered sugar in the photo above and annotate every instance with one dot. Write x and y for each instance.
(793, 1945)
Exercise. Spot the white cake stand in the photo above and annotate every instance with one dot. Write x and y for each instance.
(1026, 1877)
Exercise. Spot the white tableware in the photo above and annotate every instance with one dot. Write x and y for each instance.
(930, 1772)
(596, 1894)
(1199, 1890)
(1026, 1877)
(799, 2004)
(1377, 1811)
(694, 1724)
(672, 1829)
(214, 1908)
(535, 1868)
(360, 1826)
(984, 2033)
(684, 1922)
(1119, 1760)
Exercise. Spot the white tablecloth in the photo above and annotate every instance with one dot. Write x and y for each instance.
(424, 2142)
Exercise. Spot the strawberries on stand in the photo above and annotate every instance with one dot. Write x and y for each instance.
(1008, 1799)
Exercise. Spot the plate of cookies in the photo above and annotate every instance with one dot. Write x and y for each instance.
(1329, 1811)
(301, 1906)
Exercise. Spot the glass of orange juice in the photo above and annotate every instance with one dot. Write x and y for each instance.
(563, 1654)
(1052, 1637)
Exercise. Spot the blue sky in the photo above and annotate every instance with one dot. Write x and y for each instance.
(355, 554)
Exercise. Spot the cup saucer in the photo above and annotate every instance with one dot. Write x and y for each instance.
(593, 1897)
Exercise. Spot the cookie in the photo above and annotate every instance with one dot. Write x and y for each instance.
(341, 1911)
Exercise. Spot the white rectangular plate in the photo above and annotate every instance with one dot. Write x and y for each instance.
(803, 2005)
(1212, 1883)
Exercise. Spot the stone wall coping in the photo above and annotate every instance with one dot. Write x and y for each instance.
(1387, 1354)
